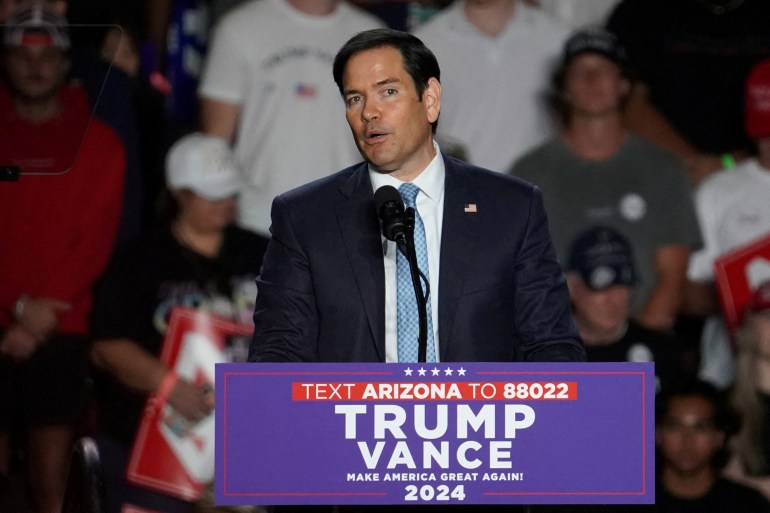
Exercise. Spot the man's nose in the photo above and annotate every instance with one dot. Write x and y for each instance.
(370, 111)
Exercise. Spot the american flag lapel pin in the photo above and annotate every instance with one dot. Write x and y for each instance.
(469, 207)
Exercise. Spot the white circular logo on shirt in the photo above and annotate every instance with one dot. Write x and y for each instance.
(639, 353)
(633, 207)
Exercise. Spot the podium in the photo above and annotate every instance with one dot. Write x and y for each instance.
(436, 433)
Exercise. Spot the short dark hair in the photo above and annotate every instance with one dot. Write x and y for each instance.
(419, 61)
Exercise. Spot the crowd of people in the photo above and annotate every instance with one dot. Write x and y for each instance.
(143, 143)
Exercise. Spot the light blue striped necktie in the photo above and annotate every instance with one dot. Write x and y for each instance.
(408, 317)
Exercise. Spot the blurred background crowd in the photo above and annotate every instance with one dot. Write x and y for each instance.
(142, 143)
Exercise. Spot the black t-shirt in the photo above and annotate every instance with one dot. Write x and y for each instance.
(639, 344)
(149, 277)
(724, 497)
(695, 62)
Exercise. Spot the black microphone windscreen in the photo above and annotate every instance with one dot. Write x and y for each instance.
(390, 209)
(386, 194)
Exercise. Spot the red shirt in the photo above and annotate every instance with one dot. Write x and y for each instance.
(57, 228)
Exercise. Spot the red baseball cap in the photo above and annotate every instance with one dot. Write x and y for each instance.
(758, 101)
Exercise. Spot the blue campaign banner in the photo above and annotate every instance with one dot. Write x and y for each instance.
(444, 433)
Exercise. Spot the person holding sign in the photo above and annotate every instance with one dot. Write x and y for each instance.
(197, 258)
(733, 211)
(329, 287)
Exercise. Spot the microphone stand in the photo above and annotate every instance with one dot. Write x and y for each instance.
(422, 312)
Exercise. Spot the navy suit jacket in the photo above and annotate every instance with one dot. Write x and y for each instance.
(502, 295)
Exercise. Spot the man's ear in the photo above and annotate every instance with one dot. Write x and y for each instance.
(431, 97)
(625, 88)
(574, 283)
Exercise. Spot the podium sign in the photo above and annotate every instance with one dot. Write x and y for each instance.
(444, 433)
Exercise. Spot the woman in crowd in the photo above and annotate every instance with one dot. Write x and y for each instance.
(197, 259)
(750, 463)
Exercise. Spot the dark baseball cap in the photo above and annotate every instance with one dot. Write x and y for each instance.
(603, 257)
(595, 40)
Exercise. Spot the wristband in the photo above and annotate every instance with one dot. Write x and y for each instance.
(166, 386)
(18, 307)
(728, 161)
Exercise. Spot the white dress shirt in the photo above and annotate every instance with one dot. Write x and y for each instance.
(430, 205)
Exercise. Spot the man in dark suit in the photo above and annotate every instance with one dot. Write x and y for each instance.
(327, 291)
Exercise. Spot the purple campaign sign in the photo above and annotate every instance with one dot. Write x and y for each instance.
(445, 433)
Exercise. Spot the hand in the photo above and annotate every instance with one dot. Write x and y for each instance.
(194, 403)
(18, 343)
(40, 316)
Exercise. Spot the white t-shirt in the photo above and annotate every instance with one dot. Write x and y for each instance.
(494, 88)
(580, 13)
(276, 63)
(733, 210)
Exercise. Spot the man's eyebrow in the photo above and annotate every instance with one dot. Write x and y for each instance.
(386, 81)
(379, 83)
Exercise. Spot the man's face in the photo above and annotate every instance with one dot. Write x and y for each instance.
(687, 437)
(594, 85)
(390, 125)
(35, 73)
(599, 311)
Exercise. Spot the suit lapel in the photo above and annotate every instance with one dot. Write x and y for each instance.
(360, 231)
(458, 236)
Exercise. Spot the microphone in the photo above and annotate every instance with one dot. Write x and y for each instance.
(398, 225)
(390, 209)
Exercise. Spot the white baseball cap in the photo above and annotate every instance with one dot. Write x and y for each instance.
(204, 164)
(36, 24)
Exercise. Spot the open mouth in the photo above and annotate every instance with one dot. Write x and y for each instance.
(375, 136)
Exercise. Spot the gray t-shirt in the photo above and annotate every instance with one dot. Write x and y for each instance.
(642, 191)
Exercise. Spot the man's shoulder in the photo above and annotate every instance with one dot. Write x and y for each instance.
(438, 25)
(104, 135)
(732, 180)
(739, 495)
(544, 25)
(491, 182)
(351, 14)
(245, 13)
(539, 160)
(322, 189)
(652, 150)
(267, 12)
(98, 137)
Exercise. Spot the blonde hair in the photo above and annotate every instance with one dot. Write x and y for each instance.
(746, 400)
